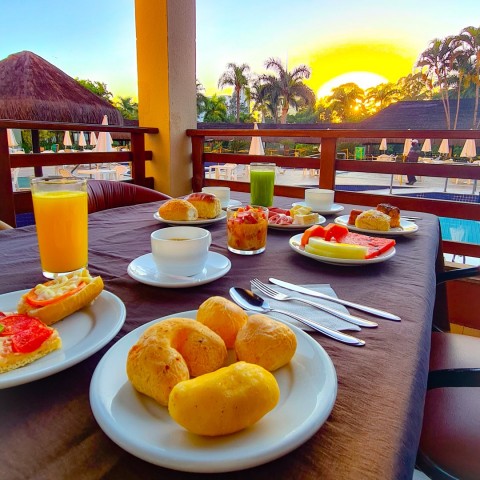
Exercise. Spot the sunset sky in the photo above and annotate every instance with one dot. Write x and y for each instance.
(341, 41)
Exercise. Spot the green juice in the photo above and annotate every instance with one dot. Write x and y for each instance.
(261, 187)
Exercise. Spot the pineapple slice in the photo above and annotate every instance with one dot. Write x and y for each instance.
(324, 248)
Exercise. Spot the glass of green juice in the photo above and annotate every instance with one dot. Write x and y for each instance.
(262, 181)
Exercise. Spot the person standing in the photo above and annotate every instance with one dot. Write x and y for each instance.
(412, 157)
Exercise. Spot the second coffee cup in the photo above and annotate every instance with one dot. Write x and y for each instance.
(180, 250)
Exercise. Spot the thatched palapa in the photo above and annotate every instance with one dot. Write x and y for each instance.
(33, 89)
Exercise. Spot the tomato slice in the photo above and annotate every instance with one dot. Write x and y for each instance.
(314, 231)
(337, 232)
(35, 302)
(15, 323)
(27, 333)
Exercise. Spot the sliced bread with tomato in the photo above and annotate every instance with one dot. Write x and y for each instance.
(54, 300)
(24, 339)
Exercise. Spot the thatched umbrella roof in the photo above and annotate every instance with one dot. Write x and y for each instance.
(33, 89)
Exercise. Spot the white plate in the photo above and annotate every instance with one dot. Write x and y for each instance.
(200, 221)
(335, 208)
(294, 243)
(83, 333)
(296, 226)
(144, 270)
(308, 389)
(407, 227)
(233, 203)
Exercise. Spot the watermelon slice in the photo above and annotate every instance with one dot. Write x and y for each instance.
(375, 245)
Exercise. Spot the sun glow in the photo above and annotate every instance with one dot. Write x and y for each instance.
(363, 79)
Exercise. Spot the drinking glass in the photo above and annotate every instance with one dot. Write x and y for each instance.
(60, 206)
(262, 181)
(247, 229)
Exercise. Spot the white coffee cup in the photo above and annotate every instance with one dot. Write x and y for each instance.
(222, 193)
(319, 198)
(180, 250)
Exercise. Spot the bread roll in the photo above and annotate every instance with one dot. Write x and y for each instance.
(265, 342)
(171, 351)
(207, 205)
(392, 212)
(178, 209)
(373, 220)
(222, 316)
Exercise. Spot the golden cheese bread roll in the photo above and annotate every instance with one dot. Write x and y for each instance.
(207, 205)
(178, 209)
(373, 220)
(265, 342)
(225, 401)
(171, 351)
(223, 317)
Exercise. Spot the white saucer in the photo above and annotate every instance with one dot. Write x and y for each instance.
(143, 270)
(233, 203)
(335, 208)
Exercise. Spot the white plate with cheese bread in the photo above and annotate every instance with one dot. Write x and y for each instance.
(82, 334)
(195, 209)
(143, 427)
(406, 227)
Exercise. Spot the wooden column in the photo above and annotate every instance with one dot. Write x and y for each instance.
(327, 163)
(7, 207)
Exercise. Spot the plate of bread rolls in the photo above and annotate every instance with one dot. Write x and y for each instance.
(383, 220)
(194, 209)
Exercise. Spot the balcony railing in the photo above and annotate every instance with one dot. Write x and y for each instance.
(328, 164)
(12, 203)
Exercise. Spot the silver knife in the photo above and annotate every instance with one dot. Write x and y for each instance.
(313, 293)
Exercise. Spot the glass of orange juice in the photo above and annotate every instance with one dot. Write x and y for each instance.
(60, 207)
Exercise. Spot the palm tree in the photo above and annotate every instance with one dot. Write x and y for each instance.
(127, 107)
(346, 102)
(436, 64)
(470, 36)
(215, 109)
(237, 77)
(265, 101)
(381, 96)
(200, 97)
(412, 87)
(286, 89)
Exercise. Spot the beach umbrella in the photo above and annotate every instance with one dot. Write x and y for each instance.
(81, 140)
(444, 147)
(67, 141)
(469, 149)
(93, 139)
(12, 141)
(256, 146)
(383, 144)
(407, 145)
(104, 140)
(427, 145)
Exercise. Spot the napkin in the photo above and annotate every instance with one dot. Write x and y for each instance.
(304, 310)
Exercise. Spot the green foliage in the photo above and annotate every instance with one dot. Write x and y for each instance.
(215, 109)
(98, 88)
(128, 108)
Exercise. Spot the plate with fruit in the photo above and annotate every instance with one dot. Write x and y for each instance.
(143, 427)
(335, 244)
(295, 218)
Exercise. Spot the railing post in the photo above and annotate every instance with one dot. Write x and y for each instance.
(138, 157)
(197, 163)
(7, 206)
(327, 163)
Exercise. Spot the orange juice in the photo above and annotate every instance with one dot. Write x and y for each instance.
(62, 229)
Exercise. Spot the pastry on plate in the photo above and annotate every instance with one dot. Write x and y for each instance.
(178, 209)
(373, 220)
(207, 205)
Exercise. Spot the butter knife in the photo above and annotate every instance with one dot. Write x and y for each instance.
(313, 293)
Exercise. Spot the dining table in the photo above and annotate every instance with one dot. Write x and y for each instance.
(47, 426)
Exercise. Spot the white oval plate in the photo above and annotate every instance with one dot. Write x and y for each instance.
(406, 227)
(335, 208)
(144, 270)
(295, 226)
(308, 389)
(83, 333)
(294, 243)
(200, 221)
(233, 203)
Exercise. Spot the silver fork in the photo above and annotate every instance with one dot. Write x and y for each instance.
(270, 292)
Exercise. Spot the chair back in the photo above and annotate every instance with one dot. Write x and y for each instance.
(105, 194)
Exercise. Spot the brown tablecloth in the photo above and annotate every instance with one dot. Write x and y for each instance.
(47, 427)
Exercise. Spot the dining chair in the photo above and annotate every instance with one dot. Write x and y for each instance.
(106, 194)
(450, 440)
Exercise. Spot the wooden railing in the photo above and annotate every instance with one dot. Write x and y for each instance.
(328, 164)
(12, 203)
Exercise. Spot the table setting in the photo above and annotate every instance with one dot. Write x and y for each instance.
(358, 342)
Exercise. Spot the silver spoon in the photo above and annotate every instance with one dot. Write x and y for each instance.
(251, 301)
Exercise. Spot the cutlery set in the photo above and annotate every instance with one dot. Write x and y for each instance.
(251, 301)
